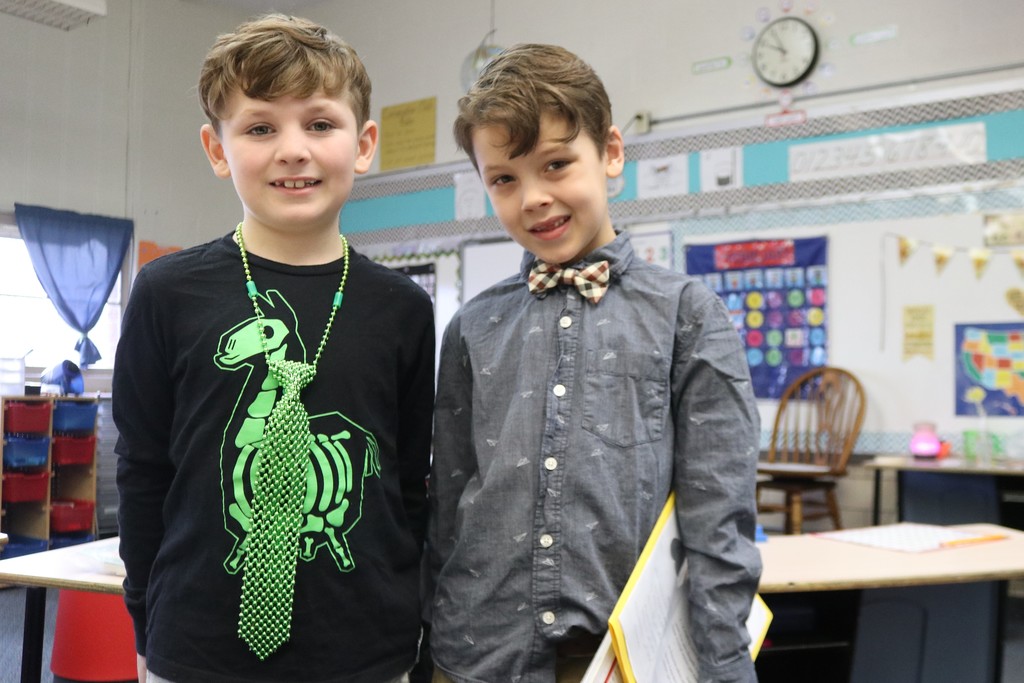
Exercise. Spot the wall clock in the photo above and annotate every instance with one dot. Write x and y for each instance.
(785, 52)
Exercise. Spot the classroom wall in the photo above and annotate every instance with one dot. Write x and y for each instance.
(103, 118)
(645, 52)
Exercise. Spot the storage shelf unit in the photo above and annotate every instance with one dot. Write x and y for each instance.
(48, 472)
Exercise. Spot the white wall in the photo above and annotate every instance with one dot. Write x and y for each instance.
(645, 51)
(103, 119)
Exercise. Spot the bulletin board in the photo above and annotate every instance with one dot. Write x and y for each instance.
(869, 182)
(776, 292)
(909, 366)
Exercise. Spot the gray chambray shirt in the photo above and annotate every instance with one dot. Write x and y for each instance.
(560, 428)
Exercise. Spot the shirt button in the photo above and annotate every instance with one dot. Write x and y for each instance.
(550, 463)
(565, 321)
(559, 390)
(546, 541)
(548, 618)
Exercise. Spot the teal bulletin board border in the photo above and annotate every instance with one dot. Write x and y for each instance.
(765, 167)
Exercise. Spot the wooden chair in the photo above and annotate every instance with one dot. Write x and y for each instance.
(816, 426)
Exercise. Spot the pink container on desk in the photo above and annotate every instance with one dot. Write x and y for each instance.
(925, 443)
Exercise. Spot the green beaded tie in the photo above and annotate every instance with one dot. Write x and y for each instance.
(268, 591)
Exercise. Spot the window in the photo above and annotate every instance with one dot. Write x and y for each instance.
(31, 324)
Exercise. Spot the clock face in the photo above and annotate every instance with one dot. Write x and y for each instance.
(785, 52)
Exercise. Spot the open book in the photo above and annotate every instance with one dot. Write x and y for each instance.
(648, 637)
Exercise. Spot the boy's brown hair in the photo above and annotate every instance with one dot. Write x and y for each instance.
(276, 55)
(526, 81)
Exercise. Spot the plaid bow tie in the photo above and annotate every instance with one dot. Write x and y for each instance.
(592, 281)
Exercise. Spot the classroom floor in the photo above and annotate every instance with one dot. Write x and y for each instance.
(12, 611)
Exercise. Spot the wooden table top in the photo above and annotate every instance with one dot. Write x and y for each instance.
(951, 465)
(91, 566)
(809, 562)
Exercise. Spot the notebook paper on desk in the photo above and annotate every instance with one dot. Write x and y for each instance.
(909, 537)
(649, 627)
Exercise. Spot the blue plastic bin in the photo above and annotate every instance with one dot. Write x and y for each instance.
(22, 545)
(71, 417)
(25, 451)
(64, 540)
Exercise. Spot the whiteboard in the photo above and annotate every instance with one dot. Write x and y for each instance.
(486, 262)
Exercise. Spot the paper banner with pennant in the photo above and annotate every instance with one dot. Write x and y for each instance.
(980, 258)
(942, 255)
(908, 246)
(1018, 259)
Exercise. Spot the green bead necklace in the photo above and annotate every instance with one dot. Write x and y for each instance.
(265, 615)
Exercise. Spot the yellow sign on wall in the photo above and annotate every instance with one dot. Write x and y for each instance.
(408, 134)
(918, 331)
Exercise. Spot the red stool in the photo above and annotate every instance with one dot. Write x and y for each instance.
(93, 639)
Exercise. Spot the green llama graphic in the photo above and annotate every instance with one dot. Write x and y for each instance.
(340, 455)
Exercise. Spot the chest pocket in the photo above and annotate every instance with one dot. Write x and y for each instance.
(625, 396)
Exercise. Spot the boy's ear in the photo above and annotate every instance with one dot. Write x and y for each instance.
(214, 151)
(367, 146)
(615, 153)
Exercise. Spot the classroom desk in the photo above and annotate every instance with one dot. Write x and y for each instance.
(838, 578)
(79, 567)
(999, 472)
(798, 565)
(809, 563)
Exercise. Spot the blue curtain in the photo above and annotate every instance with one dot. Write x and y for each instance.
(77, 258)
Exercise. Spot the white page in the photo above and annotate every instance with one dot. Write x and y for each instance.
(655, 617)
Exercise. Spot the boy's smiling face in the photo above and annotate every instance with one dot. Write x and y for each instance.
(552, 200)
(292, 160)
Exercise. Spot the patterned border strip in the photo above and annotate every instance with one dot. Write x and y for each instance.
(739, 200)
(482, 227)
(883, 442)
(441, 176)
(942, 110)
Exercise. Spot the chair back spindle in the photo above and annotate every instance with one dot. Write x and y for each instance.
(815, 430)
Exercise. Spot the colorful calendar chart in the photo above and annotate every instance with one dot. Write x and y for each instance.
(776, 292)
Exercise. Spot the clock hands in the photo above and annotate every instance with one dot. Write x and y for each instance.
(776, 43)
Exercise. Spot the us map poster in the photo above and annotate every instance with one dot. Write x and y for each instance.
(776, 292)
(990, 369)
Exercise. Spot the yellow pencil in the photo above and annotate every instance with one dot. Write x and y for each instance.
(973, 539)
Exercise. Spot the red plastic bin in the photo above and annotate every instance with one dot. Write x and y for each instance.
(73, 450)
(28, 417)
(24, 487)
(71, 515)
